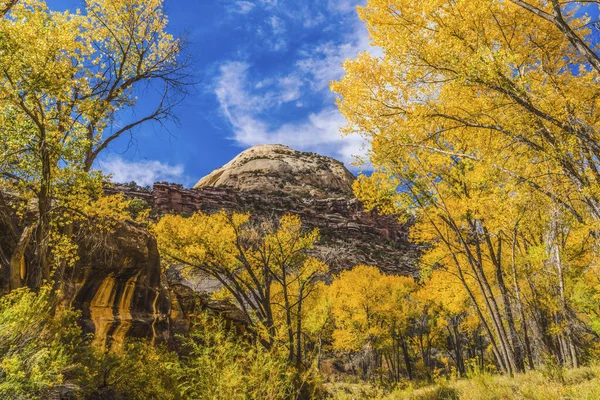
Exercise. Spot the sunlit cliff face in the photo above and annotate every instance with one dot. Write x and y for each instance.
(101, 310)
(105, 315)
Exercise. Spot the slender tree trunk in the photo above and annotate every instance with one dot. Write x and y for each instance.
(569, 352)
(495, 312)
(501, 360)
(568, 349)
(476, 264)
(515, 340)
(288, 322)
(299, 330)
(503, 364)
(44, 206)
(270, 324)
(520, 303)
(407, 361)
(460, 364)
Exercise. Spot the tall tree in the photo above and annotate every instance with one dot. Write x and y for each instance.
(484, 81)
(478, 114)
(66, 79)
(264, 267)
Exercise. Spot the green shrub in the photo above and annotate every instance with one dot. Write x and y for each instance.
(141, 372)
(223, 365)
(137, 206)
(42, 349)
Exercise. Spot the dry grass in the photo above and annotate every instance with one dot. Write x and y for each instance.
(582, 383)
(577, 384)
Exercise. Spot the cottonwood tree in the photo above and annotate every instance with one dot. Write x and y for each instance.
(480, 114)
(372, 311)
(6, 5)
(67, 80)
(487, 81)
(263, 266)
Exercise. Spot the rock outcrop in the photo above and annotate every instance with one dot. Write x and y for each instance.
(316, 188)
(116, 283)
(119, 287)
(349, 235)
(275, 168)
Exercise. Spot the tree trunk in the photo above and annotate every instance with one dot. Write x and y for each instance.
(288, 320)
(406, 355)
(460, 364)
(299, 330)
(492, 305)
(569, 352)
(497, 262)
(42, 272)
(18, 267)
(520, 307)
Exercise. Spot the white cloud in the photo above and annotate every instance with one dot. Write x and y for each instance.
(142, 172)
(246, 112)
(243, 7)
(342, 6)
(319, 132)
(276, 43)
(277, 25)
(290, 88)
(323, 63)
(233, 90)
(248, 101)
(269, 3)
(275, 38)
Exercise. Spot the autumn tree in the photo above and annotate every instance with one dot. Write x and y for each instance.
(66, 79)
(263, 266)
(373, 312)
(481, 70)
(481, 114)
(6, 5)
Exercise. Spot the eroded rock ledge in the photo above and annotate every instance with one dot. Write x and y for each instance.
(353, 235)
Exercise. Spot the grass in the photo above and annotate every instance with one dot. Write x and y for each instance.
(576, 384)
(581, 384)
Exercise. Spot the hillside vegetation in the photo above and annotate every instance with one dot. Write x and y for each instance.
(482, 118)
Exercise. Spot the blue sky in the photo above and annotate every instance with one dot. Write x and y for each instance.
(264, 68)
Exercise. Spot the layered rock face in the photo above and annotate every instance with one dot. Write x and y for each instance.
(349, 235)
(120, 288)
(118, 282)
(275, 168)
(316, 188)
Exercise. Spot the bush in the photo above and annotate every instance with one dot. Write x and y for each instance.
(141, 372)
(44, 355)
(42, 349)
(221, 364)
(137, 207)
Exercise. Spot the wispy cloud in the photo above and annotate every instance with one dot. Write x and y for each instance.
(342, 6)
(142, 172)
(242, 7)
(322, 64)
(247, 112)
(249, 101)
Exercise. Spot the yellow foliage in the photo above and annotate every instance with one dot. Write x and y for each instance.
(482, 118)
(263, 267)
(368, 307)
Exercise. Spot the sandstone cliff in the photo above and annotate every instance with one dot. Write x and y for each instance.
(272, 180)
(276, 168)
(119, 285)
